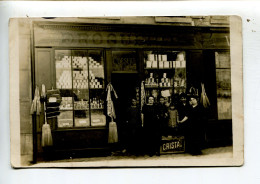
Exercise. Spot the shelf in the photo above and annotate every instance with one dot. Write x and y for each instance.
(97, 108)
(134, 72)
(164, 87)
(151, 87)
(88, 109)
(80, 128)
(164, 68)
(66, 109)
(179, 87)
(97, 88)
(159, 68)
(63, 68)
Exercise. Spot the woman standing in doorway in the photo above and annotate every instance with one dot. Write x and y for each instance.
(151, 128)
(195, 127)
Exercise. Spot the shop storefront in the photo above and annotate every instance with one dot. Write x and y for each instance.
(76, 62)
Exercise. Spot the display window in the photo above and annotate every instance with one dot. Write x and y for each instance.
(223, 82)
(165, 73)
(80, 79)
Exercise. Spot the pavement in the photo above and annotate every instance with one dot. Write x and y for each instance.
(216, 156)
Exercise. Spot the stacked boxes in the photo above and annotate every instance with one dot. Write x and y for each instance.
(80, 79)
(93, 82)
(165, 82)
(152, 61)
(80, 73)
(93, 63)
(64, 63)
(150, 82)
(79, 62)
(64, 81)
(65, 119)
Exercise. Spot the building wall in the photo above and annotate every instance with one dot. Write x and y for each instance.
(26, 138)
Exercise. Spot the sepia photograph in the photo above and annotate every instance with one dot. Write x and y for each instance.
(126, 91)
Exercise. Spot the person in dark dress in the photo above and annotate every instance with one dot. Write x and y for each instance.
(163, 116)
(133, 122)
(151, 128)
(183, 109)
(195, 127)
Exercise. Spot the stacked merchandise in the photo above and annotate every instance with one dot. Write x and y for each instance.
(96, 103)
(66, 103)
(93, 82)
(93, 63)
(153, 60)
(79, 62)
(81, 105)
(80, 79)
(150, 82)
(64, 63)
(165, 82)
(64, 81)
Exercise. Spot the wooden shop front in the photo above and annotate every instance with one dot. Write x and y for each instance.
(81, 59)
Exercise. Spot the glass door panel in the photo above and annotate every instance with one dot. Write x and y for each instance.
(64, 84)
(96, 83)
(80, 88)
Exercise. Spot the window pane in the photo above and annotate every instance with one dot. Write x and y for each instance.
(124, 60)
(223, 82)
(64, 84)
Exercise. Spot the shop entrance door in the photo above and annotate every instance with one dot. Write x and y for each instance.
(126, 86)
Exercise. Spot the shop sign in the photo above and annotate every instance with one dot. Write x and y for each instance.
(173, 145)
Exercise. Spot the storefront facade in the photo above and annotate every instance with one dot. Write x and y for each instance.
(169, 55)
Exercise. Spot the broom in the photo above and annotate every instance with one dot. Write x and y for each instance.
(46, 131)
(112, 135)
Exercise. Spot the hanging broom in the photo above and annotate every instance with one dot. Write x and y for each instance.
(204, 99)
(46, 132)
(112, 135)
(112, 131)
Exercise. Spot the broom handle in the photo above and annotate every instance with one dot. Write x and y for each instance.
(45, 119)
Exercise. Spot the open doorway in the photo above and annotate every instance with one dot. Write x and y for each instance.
(125, 85)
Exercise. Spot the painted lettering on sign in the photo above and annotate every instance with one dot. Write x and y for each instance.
(171, 145)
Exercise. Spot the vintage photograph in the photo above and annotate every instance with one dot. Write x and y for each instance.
(126, 91)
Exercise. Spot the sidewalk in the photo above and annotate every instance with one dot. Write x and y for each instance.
(207, 154)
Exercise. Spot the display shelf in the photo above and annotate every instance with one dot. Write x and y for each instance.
(97, 88)
(151, 87)
(97, 108)
(66, 109)
(159, 68)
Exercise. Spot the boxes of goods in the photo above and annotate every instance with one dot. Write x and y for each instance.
(65, 119)
(154, 64)
(82, 122)
(148, 64)
(178, 64)
(98, 120)
(150, 57)
(164, 57)
(160, 64)
(166, 64)
(66, 103)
